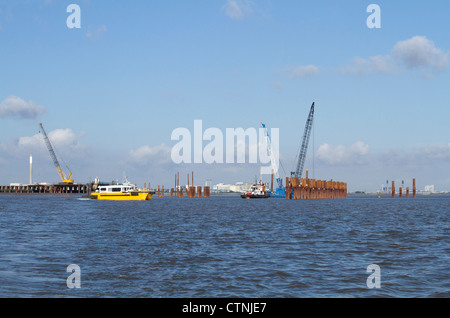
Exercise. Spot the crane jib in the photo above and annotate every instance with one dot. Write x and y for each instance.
(62, 175)
(305, 142)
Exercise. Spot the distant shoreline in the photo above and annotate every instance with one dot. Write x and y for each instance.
(396, 194)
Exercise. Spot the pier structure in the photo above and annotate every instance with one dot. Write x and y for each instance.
(45, 189)
(312, 189)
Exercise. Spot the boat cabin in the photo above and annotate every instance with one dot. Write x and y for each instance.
(116, 188)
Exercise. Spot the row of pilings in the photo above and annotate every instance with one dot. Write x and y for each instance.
(45, 189)
(400, 190)
(191, 192)
(311, 189)
(179, 191)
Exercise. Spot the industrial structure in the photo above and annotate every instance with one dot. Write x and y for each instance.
(31, 168)
(296, 187)
(44, 189)
(306, 189)
(67, 186)
(304, 148)
(280, 191)
(65, 179)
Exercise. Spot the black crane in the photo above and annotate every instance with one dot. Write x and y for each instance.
(304, 148)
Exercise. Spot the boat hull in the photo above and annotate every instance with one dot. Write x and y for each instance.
(123, 196)
(255, 196)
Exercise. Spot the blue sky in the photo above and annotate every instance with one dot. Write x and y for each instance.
(111, 93)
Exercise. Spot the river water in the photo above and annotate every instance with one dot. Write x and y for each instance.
(224, 246)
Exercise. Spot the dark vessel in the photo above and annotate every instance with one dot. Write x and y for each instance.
(256, 191)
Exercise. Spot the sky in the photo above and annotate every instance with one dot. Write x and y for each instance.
(111, 92)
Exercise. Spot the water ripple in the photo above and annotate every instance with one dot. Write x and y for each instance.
(224, 247)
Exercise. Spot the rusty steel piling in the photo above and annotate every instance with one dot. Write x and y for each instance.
(312, 189)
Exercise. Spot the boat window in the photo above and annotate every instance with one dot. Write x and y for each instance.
(116, 189)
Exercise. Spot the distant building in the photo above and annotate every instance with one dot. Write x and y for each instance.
(221, 187)
(429, 188)
(238, 187)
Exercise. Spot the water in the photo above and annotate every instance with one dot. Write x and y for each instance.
(224, 247)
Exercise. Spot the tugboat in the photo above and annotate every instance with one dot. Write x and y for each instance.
(256, 191)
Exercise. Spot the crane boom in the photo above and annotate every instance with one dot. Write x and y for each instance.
(62, 175)
(273, 159)
(304, 147)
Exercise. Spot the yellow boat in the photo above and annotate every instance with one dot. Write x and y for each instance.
(120, 192)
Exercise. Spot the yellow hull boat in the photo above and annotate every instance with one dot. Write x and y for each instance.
(120, 192)
(123, 196)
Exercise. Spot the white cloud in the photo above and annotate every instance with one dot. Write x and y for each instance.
(233, 10)
(359, 152)
(437, 152)
(237, 9)
(301, 71)
(422, 156)
(63, 138)
(415, 53)
(374, 64)
(419, 52)
(347, 155)
(64, 141)
(30, 143)
(148, 155)
(16, 107)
